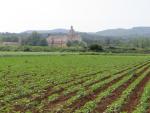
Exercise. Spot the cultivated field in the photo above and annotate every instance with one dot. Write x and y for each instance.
(74, 84)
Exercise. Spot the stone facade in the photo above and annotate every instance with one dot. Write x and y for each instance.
(57, 40)
(61, 40)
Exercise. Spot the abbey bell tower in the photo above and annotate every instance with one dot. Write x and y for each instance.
(72, 35)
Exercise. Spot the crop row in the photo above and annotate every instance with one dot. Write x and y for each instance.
(144, 103)
(116, 106)
(54, 96)
(91, 105)
(82, 93)
(35, 81)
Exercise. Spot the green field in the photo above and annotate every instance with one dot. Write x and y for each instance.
(68, 83)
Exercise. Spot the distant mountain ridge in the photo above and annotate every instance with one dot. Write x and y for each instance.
(133, 32)
(59, 30)
(122, 33)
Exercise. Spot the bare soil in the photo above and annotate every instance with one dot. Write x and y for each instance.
(102, 106)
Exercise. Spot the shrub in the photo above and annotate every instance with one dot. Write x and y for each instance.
(96, 47)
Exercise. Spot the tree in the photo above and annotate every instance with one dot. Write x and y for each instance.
(76, 44)
(43, 42)
(35, 39)
(96, 47)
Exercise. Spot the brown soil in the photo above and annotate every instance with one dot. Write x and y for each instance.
(60, 100)
(148, 110)
(97, 81)
(80, 102)
(134, 97)
(19, 108)
(63, 98)
(48, 88)
(81, 77)
(102, 106)
(48, 91)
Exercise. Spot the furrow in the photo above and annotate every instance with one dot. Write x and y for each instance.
(64, 98)
(52, 105)
(116, 93)
(134, 97)
(117, 105)
(78, 104)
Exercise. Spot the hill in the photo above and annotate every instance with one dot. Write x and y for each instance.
(59, 30)
(133, 32)
(121, 33)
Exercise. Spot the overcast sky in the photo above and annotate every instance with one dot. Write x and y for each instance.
(84, 15)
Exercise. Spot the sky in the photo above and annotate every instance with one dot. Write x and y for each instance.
(84, 15)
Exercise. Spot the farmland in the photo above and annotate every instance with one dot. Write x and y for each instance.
(73, 83)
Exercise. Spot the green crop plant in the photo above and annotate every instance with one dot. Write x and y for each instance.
(27, 77)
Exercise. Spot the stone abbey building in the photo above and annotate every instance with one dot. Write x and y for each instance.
(61, 40)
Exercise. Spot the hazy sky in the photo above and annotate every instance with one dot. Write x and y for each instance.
(84, 15)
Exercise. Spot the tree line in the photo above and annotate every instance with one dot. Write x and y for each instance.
(36, 39)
